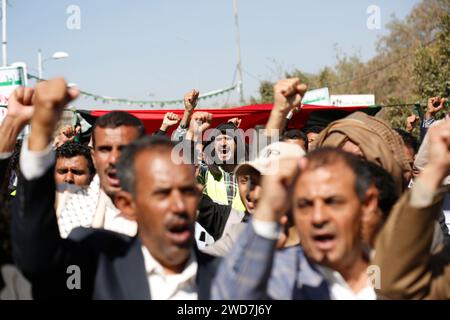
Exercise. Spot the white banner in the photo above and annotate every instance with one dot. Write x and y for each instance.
(318, 97)
(353, 100)
(11, 78)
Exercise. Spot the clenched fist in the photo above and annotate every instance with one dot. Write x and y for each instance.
(288, 94)
(170, 119)
(200, 121)
(50, 98)
(190, 100)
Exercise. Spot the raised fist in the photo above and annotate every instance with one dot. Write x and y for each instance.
(170, 119)
(20, 105)
(50, 98)
(288, 94)
(190, 100)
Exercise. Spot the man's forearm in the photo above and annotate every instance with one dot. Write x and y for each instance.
(432, 177)
(186, 119)
(402, 249)
(40, 137)
(9, 131)
(164, 127)
(244, 273)
(277, 120)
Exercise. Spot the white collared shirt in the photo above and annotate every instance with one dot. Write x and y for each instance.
(180, 286)
(340, 290)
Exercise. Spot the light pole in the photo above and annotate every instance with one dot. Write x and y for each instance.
(4, 40)
(56, 56)
(238, 46)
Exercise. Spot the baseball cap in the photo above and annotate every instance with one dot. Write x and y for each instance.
(273, 152)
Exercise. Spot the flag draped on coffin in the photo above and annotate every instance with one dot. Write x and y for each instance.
(251, 116)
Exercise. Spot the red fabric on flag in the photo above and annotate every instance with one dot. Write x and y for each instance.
(251, 116)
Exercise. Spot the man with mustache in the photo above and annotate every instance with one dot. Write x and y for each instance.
(93, 207)
(223, 152)
(329, 193)
(226, 148)
(74, 165)
(157, 189)
(249, 176)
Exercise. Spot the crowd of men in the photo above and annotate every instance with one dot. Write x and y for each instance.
(354, 210)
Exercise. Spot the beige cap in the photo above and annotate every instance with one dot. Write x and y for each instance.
(273, 152)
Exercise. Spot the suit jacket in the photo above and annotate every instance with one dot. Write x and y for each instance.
(110, 265)
(255, 270)
(402, 252)
(4, 163)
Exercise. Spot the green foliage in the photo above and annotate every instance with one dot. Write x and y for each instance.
(304, 78)
(327, 77)
(431, 67)
(266, 92)
(407, 68)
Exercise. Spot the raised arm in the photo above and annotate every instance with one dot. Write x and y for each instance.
(170, 119)
(434, 105)
(190, 102)
(288, 95)
(35, 236)
(407, 268)
(245, 272)
(20, 110)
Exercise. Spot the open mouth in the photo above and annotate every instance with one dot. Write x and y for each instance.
(251, 205)
(113, 179)
(179, 233)
(224, 153)
(324, 241)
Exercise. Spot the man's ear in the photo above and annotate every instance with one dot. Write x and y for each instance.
(200, 188)
(124, 201)
(370, 204)
(93, 158)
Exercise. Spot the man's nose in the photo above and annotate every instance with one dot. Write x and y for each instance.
(69, 178)
(114, 156)
(178, 204)
(319, 216)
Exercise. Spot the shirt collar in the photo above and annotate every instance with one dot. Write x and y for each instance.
(332, 276)
(153, 267)
(338, 285)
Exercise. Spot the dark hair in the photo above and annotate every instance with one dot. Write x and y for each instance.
(295, 134)
(314, 129)
(125, 166)
(409, 140)
(117, 119)
(328, 156)
(72, 149)
(383, 181)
